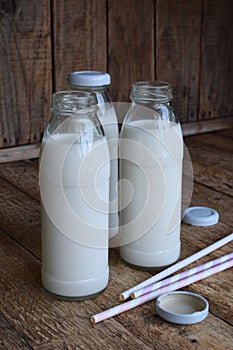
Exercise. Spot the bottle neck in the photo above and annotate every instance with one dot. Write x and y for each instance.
(151, 93)
(156, 97)
(74, 101)
(75, 112)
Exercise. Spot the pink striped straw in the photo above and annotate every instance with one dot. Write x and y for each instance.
(170, 270)
(181, 276)
(152, 295)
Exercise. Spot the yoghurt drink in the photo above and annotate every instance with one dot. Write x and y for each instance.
(151, 154)
(74, 185)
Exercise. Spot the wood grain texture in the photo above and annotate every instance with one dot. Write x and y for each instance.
(61, 325)
(25, 70)
(23, 175)
(79, 38)
(210, 125)
(12, 154)
(218, 141)
(178, 28)
(216, 94)
(203, 195)
(188, 43)
(219, 181)
(130, 45)
(218, 174)
(30, 319)
(21, 214)
(9, 338)
(42, 320)
(227, 133)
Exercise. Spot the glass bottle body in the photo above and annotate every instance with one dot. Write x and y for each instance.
(151, 151)
(98, 83)
(74, 188)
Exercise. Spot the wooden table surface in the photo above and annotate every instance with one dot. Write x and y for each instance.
(30, 319)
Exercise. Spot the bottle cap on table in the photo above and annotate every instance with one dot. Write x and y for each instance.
(201, 216)
(182, 307)
(89, 78)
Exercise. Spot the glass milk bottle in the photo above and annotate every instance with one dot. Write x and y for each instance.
(98, 82)
(74, 188)
(151, 152)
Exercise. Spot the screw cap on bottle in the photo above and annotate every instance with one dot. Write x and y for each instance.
(89, 78)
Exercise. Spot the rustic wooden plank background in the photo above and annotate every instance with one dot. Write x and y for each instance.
(79, 38)
(216, 93)
(178, 27)
(25, 70)
(130, 45)
(188, 43)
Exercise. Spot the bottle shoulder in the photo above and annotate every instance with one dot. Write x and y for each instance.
(151, 111)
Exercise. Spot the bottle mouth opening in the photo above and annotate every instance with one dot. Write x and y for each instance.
(158, 91)
(153, 84)
(73, 101)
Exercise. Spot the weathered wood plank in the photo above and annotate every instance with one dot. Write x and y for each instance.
(14, 224)
(178, 28)
(80, 38)
(217, 288)
(19, 153)
(42, 320)
(130, 45)
(197, 336)
(20, 217)
(212, 165)
(216, 94)
(169, 337)
(204, 126)
(45, 321)
(22, 233)
(24, 175)
(193, 239)
(227, 133)
(217, 141)
(205, 196)
(25, 71)
(9, 338)
(220, 181)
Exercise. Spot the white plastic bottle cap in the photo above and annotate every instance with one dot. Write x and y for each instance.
(182, 307)
(201, 216)
(89, 78)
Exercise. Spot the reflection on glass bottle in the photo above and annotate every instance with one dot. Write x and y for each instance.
(151, 151)
(74, 188)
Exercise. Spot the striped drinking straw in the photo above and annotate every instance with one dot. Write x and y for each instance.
(174, 268)
(169, 288)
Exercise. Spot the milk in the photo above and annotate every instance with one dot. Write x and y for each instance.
(74, 185)
(151, 160)
(108, 119)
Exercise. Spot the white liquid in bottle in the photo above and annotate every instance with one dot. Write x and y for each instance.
(109, 122)
(98, 82)
(151, 160)
(74, 216)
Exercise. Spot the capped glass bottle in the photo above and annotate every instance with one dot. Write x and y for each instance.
(98, 83)
(151, 151)
(74, 188)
